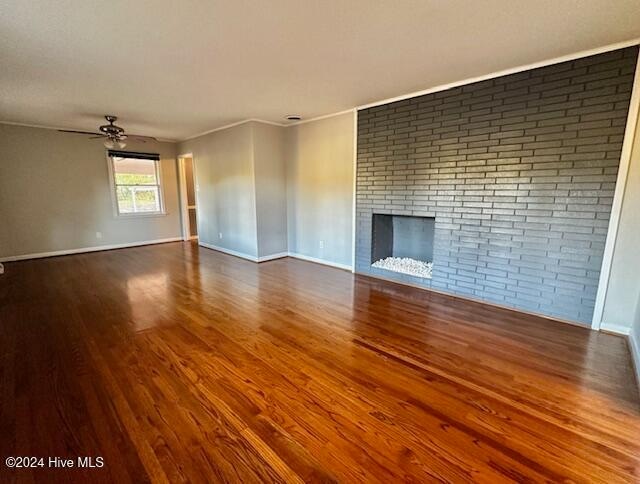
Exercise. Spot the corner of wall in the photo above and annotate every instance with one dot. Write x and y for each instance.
(269, 178)
(320, 188)
(634, 347)
(252, 127)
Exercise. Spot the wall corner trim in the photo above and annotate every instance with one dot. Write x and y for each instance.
(634, 348)
(618, 198)
(82, 250)
(354, 199)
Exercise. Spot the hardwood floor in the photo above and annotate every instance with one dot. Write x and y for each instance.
(175, 363)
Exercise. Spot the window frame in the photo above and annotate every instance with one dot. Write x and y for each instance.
(113, 187)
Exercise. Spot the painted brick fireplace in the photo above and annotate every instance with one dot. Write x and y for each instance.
(519, 174)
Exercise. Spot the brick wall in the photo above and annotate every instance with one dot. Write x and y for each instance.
(519, 172)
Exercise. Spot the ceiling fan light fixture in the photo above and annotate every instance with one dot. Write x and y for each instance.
(113, 136)
(111, 143)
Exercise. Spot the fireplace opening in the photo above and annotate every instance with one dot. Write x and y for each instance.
(403, 243)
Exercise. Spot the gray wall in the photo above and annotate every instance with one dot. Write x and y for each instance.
(519, 172)
(55, 194)
(271, 188)
(226, 190)
(320, 188)
(241, 179)
(274, 189)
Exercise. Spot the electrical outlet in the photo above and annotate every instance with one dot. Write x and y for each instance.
(98, 235)
(220, 235)
(322, 244)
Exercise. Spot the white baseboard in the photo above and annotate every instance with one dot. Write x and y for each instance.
(615, 329)
(235, 253)
(82, 250)
(274, 256)
(634, 347)
(242, 255)
(345, 267)
(279, 255)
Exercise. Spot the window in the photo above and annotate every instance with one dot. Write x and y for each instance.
(136, 183)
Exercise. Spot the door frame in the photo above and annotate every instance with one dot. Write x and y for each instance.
(184, 204)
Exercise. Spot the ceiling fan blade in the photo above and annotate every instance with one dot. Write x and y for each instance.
(98, 136)
(77, 132)
(143, 139)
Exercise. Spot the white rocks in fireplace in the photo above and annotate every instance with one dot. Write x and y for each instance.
(405, 265)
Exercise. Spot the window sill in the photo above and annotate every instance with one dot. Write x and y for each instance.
(141, 215)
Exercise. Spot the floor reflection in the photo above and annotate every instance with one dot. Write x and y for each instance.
(147, 295)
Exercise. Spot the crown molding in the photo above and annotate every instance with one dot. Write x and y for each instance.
(505, 72)
(27, 125)
(318, 118)
(233, 125)
(444, 87)
(272, 123)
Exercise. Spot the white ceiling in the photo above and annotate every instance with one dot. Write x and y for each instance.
(174, 69)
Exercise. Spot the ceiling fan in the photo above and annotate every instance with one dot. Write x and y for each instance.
(114, 136)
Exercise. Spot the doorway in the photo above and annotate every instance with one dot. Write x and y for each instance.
(188, 197)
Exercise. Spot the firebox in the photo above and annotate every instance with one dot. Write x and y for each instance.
(403, 243)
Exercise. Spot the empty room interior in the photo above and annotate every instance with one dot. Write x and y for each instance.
(340, 241)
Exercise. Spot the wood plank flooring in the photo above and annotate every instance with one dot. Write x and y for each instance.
(176, 363)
